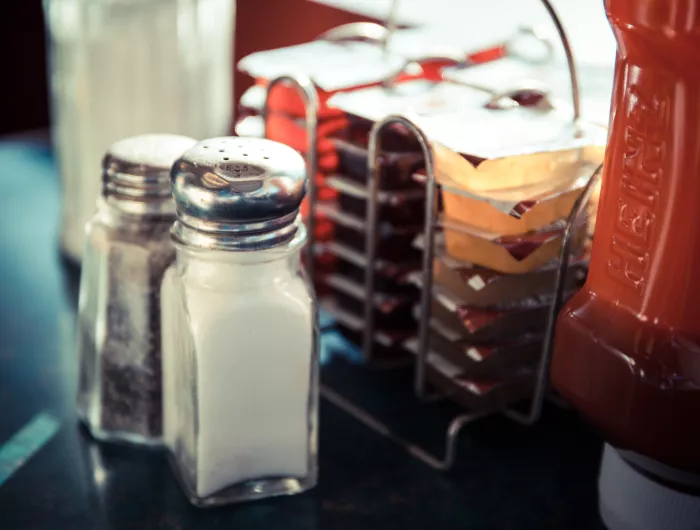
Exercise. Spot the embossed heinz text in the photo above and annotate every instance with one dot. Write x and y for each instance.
(646, 116)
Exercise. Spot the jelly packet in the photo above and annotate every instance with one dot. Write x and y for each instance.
(478, 287)
(485, 361)
(478, 395)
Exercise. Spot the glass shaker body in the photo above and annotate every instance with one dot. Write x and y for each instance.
(240, 373)
(120, 68)
(119, 396)
(128, 249)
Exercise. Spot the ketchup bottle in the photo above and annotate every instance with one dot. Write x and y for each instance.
(627, 346)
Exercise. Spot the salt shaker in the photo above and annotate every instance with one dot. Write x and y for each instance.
(240, 334)
(127, 251)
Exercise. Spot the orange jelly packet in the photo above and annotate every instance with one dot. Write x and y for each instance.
(515, 194)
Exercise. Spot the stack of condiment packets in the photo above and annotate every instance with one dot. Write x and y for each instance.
(400, 217)
(509, 177)
(334, 66)
(401, 210)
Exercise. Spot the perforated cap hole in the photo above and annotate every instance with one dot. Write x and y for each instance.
(226, 158)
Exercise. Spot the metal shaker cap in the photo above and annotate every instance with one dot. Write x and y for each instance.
(136, 172)
(235, 193)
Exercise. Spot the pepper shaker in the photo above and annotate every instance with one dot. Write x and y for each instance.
(127, 251)
(240, 334)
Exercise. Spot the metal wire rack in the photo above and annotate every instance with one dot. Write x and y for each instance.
(307, 91)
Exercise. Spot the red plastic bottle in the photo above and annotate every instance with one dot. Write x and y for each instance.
(627, 352)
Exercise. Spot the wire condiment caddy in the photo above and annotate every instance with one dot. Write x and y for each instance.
(430, 225)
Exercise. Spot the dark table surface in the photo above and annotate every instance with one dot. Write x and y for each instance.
(508, 476)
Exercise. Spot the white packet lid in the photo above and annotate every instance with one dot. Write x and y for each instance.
(499, 76)
(457, 117)
(250, 126)
(421, 42)
(487, 134)
(595, 82)
(415, 98)
(254, 98)
(330, 65)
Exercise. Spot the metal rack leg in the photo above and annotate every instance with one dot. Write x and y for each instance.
(452, 436)
(542, 383)
(309, 95)
(374, 173)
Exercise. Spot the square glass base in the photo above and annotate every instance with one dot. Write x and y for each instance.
(247, 491)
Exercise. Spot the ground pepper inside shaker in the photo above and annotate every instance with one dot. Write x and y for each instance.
(128, 249)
